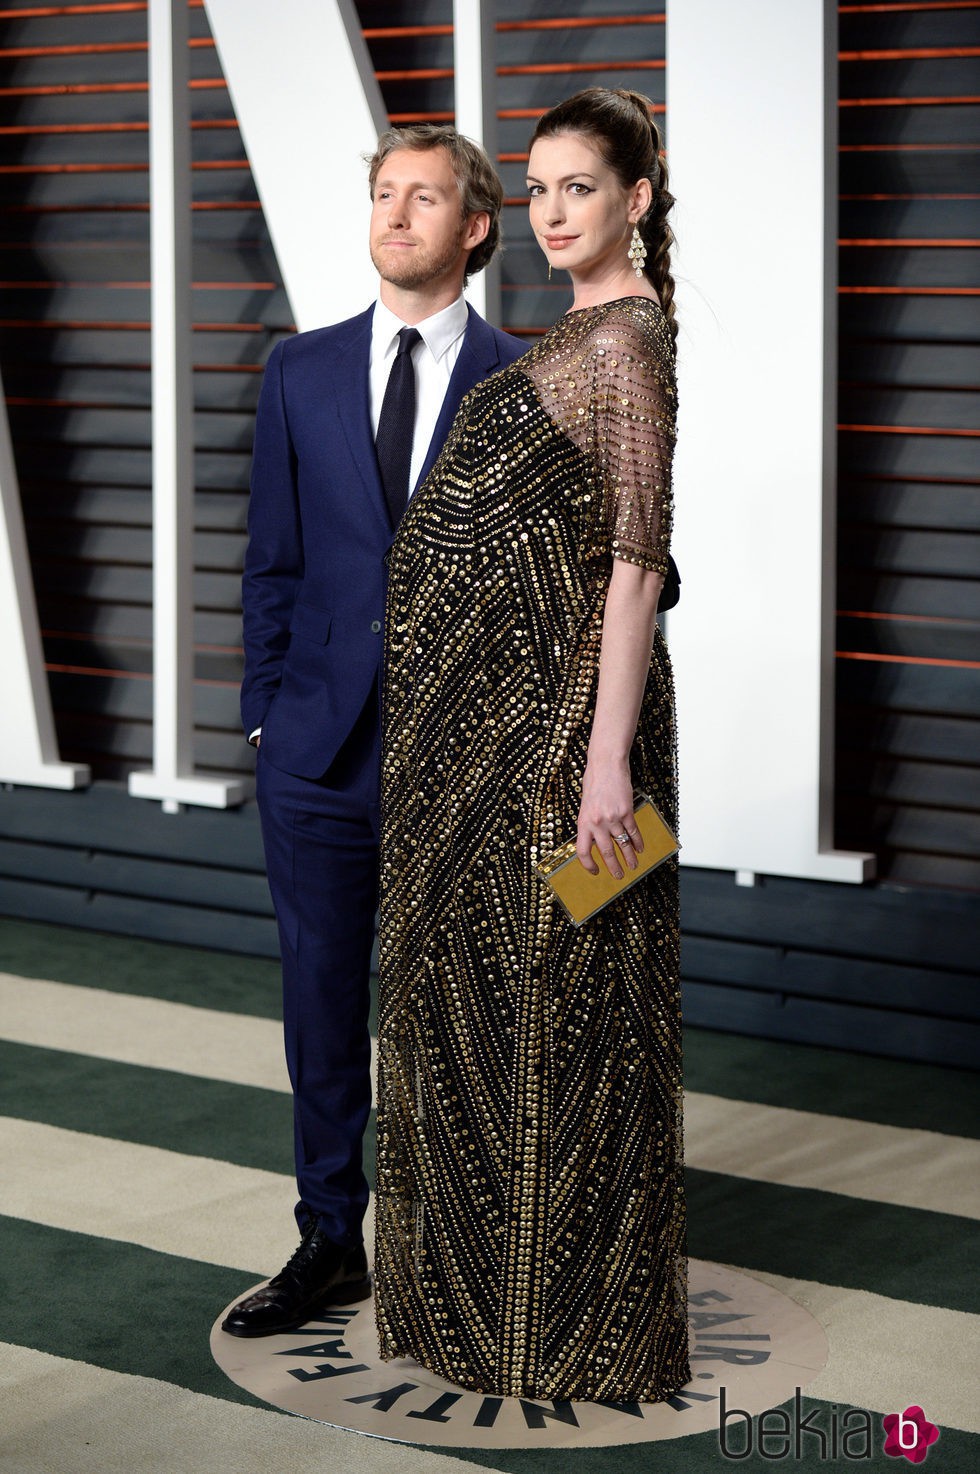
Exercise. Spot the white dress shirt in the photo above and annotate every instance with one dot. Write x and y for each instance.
(434, 360)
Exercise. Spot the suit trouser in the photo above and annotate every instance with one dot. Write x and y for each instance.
(321, 849)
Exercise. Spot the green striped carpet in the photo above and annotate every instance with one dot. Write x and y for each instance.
(146, 1142)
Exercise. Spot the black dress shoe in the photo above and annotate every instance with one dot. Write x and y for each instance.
(319, 1273)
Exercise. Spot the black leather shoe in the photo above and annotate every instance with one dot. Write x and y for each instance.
(319, 1273)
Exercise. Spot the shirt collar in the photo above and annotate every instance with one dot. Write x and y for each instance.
(439, 332)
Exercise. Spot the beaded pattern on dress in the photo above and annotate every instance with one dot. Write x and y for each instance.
(531, 1221)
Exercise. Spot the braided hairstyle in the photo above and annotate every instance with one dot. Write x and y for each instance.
(621, 126)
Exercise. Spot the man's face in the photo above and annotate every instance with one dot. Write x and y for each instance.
(419, 235)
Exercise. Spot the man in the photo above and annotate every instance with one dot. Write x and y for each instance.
(350, 418)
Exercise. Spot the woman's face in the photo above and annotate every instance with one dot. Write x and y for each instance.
(582, 216)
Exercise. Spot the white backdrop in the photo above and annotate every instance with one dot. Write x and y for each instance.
(752, 152)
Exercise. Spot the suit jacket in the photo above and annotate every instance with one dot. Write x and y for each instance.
(314, 583)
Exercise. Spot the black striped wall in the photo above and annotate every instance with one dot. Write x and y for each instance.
(909, 513)
(888, 968)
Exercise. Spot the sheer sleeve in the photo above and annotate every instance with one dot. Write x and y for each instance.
(635, 429)
(605, 376)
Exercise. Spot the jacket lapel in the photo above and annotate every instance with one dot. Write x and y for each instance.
(478, 357)
(350, 359)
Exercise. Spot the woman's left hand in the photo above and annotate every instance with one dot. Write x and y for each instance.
(606, 818)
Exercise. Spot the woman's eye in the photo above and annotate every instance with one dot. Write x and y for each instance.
(580, 189)
(534, 190)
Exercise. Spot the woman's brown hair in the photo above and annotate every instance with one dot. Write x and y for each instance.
(622, 128)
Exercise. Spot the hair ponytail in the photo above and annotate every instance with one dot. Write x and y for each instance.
(659, 238)
(621, 125)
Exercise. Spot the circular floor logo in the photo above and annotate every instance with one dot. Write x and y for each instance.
(745, 1336)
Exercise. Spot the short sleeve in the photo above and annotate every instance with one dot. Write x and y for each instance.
(635, 430)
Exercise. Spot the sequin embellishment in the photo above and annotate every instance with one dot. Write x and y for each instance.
(531, 1224)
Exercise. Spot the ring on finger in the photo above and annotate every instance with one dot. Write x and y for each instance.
(623, 838)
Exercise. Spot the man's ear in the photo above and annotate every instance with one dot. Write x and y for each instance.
(477, 229)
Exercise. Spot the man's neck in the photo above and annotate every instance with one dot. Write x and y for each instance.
(415, 305)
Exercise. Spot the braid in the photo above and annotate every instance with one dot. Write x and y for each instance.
(654, 227)
(659, 238)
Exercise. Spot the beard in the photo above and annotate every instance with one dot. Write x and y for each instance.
(419, 267)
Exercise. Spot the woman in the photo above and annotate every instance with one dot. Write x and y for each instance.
(530, 1205)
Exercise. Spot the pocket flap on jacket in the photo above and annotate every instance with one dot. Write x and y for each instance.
(312, 624)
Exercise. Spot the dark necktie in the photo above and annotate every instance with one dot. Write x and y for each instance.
(396, 426)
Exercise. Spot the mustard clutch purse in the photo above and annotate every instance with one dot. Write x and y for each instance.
(580, 894)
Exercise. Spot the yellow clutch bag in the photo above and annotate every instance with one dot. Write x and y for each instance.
(580, 894)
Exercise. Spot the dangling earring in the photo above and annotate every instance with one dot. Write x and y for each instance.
(637, 252)
(549, 270)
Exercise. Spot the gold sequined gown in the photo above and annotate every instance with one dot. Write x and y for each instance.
(530, 1211)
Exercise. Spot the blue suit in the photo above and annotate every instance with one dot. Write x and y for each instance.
(313, 604)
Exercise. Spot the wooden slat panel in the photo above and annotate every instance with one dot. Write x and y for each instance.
(879, 922)
(918, 407)
(811, 974)
(192, 926)
(912, 550)
(926, 125)
(945, 217)
(125, 875)
(122, 746)
(906, 734)
(63, 615)
(114, 466)
(924, 170)
(910, 266)
(908, 829)
(923, 318)
(945, 872)
(227, 345)
(896, 503)
(909, 76)
(919, 638)
(126, 585)
(945, 366)
(130, 697)
(899, 1035)
(913, 457)
(129, 656)
(213, 511)
(883, 593)
(945, 785)
(229, 840)
(911, 26)
(909, 687)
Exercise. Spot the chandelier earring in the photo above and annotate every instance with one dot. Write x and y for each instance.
(637, 251)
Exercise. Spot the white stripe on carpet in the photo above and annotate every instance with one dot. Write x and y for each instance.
(81, 1419)
(860, 1159)
(194, 1207)
(143, 1031)
(886, 1355)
